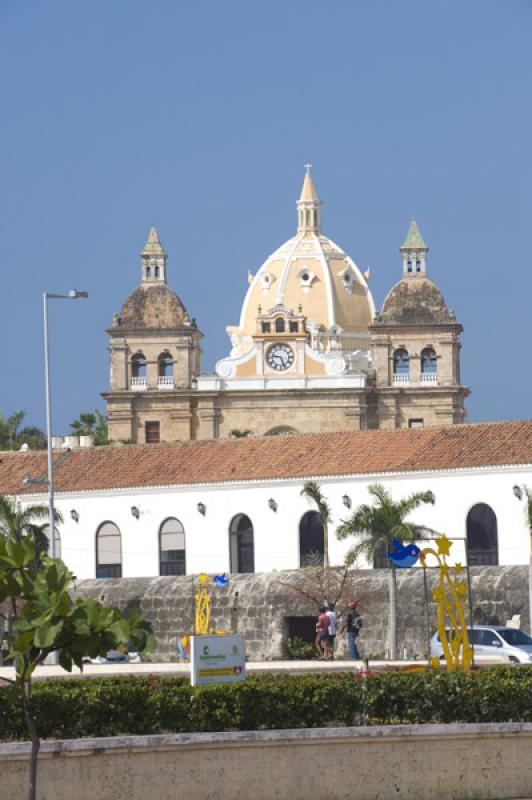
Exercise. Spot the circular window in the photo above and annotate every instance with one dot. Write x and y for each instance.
(304, 277)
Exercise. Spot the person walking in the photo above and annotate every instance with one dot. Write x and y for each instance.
(331, 613)
(353, 626)
(322, 634)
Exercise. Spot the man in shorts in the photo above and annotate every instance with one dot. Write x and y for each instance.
(322, 634)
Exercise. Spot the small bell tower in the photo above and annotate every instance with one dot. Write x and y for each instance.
(414, 252)
(153, 259)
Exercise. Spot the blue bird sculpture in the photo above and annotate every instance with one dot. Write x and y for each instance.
(221, 580)
(404, 555)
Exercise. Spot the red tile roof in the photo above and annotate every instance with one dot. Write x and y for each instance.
(266, 457)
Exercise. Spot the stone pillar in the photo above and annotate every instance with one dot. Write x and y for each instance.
(118, 371)
(380, 351)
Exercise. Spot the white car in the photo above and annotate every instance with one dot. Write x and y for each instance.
(490, 640)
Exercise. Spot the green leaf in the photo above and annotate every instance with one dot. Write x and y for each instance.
(121, 630)
(65, 660)
(52, 577)
(23, 641)
(15, 551)
(45, 635)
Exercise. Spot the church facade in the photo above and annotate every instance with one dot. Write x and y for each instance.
(310, 353)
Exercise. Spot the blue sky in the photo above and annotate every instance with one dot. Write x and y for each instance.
(198, 117)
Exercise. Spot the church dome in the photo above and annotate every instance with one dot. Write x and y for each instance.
(415, 300)
(152, 306)
(312, 275)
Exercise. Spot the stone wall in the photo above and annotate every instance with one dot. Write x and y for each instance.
(259, 605)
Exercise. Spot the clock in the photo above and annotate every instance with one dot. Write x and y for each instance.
(280, 356)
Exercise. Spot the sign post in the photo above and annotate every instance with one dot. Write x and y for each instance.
(217, 659)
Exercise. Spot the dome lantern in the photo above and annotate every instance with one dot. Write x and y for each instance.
(153, 259)
(308, 205)
(414, 252)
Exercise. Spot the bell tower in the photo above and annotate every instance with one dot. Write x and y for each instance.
(154, 349)
(415, 343)
(153, 259)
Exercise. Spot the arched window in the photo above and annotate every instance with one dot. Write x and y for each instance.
(241, 548)
(138, 366)
(279, 325)
(311, 540)
(172, 548)
(166, 365)
(482, 539)
(157, 272)
(281, 430)
(108, 551)
(429, 363)
(401, 363)
(46, 531)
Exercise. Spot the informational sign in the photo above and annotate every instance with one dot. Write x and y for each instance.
(217, 659)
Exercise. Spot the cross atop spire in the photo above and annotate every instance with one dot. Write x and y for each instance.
(308, 205)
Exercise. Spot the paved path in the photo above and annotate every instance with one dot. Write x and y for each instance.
(173, 668)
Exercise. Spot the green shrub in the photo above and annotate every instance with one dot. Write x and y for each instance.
(299, 650)
(150, 704)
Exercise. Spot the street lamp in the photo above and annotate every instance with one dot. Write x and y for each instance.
(72, 295)
(524, 493)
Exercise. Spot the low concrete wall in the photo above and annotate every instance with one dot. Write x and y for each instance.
(440, 762)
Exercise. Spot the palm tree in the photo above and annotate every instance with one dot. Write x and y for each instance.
(375, 526)
(312, 491)
(84, 426)
(19, 522)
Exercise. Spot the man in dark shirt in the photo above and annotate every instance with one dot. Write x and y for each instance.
(353, 625)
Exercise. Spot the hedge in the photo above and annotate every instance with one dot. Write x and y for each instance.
(68, 709)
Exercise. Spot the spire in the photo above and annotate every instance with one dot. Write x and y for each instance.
(414, 240)
(153, 259)
(414, 251)
(308, 205)
(153, 246)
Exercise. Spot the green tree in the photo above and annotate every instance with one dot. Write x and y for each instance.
(240, 433)
(312, 491)
(44, 618)
(375, 526)
(91, 424)
(84, 425)
(12, 436)
(18, 522)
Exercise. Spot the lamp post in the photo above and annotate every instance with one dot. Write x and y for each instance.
(524, 493)
(72, 295)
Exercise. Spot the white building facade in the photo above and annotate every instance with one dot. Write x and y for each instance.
(122, 520)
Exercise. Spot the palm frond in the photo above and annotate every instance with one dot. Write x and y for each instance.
(312, 491)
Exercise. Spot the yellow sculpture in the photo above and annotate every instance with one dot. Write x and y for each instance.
(203, 604)
(204, 600)
(450, 598)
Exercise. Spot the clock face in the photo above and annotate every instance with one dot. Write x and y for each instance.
(280, 356)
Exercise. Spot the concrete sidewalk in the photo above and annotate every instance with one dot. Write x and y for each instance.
(253, 667)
